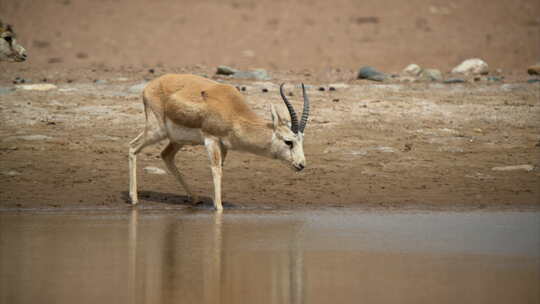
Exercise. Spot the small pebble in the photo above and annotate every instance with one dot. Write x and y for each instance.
(265, 90)
(151, 71)
(331, 89)
(335, 100)
(322, 89)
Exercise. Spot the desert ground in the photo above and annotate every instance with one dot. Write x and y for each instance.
(394, 144)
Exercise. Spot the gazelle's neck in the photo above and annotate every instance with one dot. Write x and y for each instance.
(253, 137)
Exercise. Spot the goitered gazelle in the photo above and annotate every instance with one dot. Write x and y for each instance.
(192, 110)
(10, 50)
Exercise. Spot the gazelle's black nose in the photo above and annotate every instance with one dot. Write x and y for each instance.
(299, 167)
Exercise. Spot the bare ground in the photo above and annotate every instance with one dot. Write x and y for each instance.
(396, 145)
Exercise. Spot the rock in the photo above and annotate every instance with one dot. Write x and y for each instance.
(4, 91)
(534, 80)
(412, 70)
(138, 88)
(527, 168)
(494, 78)
(154, 170)
(431, 74)
(454, 80)
(473, 66)
(37, 87)
(339, 85)
(257, 74)
(534, 69)
(225, 70)
(100, 81)
(407, 79)
(370, 73)
(11, 173)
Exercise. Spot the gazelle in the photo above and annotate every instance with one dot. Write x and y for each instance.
(192, 110)
(10, 50)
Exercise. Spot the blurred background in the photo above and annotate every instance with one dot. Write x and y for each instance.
(276, 34)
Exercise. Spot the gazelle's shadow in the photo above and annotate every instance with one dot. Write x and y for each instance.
(175, 199)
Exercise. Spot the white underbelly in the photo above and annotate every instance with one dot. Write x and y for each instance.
(180, 134)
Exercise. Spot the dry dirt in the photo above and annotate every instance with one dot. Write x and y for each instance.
(389, 144)
(367, 144)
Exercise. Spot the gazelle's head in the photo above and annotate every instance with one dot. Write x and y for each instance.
(288, 140)
(10, 50)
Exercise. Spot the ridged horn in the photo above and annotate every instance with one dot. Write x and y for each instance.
(305, 113)
(294, 119)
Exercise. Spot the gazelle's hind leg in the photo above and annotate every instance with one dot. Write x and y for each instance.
(168, 155)
(145, 139)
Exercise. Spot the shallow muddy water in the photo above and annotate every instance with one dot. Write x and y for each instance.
(324, 256)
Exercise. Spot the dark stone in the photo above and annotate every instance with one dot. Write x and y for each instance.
(454, 80)
(370, 73)
(265, 90)
(534, 80)
(151, 71)
(331, 89)
(322, 89)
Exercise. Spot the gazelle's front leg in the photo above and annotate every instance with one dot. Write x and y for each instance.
(213, 147)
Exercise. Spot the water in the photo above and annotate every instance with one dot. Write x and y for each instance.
(332, 256)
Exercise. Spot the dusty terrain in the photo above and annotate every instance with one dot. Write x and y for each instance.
(393, 144)
(367, 144)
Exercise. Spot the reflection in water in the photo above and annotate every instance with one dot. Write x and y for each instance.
(273, 257)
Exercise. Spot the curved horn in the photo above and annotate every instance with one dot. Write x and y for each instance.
(294, 119)
(305, 113)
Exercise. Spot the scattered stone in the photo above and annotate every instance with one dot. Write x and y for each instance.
(100, 81)
(322, 89)
(11, 173)
(534, 80)
(339, 86)
(454, 80)
(225, 70)
(472, 67)
(4, 91)
(527, 168)
(258, 74)
(495, 78)
(243, 89)
(138, 88)
(37, 87)
(370, 73)
(265, 90)
(512, 86)
(19, 80)
(335, 100)
(534, 69)
(412, 70)
(431, 74)
(407, 79)
(151, 71)
(154, 170)
(331, 88)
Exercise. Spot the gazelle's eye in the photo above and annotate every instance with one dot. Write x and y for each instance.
(289, 143)
(8, 39)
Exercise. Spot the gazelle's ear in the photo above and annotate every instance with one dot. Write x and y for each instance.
(275, 116)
